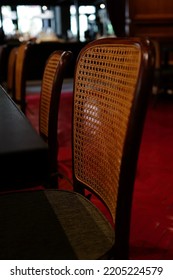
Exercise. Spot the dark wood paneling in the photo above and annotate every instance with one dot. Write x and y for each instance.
(154, 19)
(149, 18)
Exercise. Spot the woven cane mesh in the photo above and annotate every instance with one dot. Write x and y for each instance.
(105, 83)
(46, 92)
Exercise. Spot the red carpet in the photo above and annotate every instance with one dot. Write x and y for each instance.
(152, 212)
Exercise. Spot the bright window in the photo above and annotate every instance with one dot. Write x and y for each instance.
(29, 19)
(85, 13)
(7, 19)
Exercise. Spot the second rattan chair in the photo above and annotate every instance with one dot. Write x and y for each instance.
(11, 72)
(113, 80)
(52, 81)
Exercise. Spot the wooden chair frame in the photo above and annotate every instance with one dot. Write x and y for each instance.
(132, 139)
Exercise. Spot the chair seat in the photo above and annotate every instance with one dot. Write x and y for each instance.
(52, 224)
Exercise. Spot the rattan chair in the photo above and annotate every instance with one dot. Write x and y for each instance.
(20, 76)
(112, 82)
(11, 72)
(52, 81)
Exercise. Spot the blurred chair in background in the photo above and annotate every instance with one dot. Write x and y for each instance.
(11, 72)
(163, 83)
(20, 76)
(52, 80)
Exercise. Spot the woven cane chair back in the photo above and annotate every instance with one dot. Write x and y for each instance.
(49, 101)
(108, 81)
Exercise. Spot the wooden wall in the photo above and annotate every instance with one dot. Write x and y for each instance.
(149, 18)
